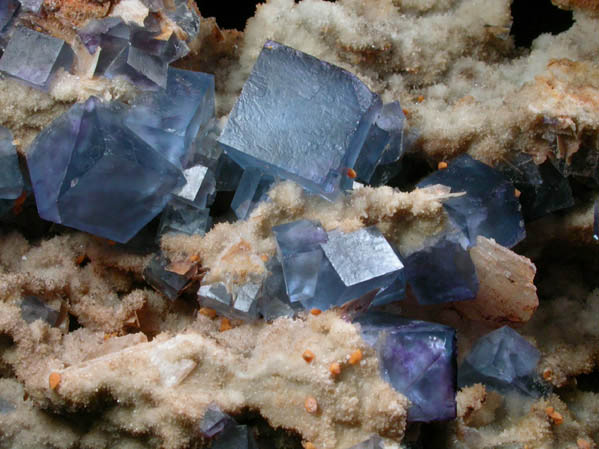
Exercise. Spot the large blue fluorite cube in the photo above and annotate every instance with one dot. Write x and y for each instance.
(11, 179)
(92, 173)
(502, 360)
(418, 359)
(489, 207)
(300, 118)
(33, 58)
(169, 120)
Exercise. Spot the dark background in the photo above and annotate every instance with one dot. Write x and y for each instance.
(531, 17)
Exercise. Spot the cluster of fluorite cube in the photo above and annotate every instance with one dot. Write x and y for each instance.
(109, 168)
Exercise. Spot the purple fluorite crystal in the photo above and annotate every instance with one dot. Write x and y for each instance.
(215, 421)
(418, 359)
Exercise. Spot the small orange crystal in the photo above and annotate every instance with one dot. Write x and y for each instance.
(308, 355)
(355, 357)
(54, 380)
(311, 405)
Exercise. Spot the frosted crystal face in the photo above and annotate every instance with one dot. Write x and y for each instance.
(300, 118)
(200, 186)
(169, 120)
(11, 179)
(489, 207)
(166, 282)
(502, 360)
(252, 189)
(543, 188)
(92, 173)
(33, 308)
(442, 272)
(216, 296)
(418, 359)
(34, 58)
(384, 143)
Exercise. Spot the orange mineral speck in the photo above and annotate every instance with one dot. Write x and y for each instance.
(315, 312)
(442, 165)
(308, 445)
(547, 374)
(583, 444)
(210, 313)
(225, 324)
(420, 98)
(335, 369)
(194, 258)
(351, 173)
(311, 405)
(54, 380)
(517, 193)
(80, 259)
(355, 357)
(17, 207)
(308, 355)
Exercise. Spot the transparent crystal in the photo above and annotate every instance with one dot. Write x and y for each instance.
(166, 282)
(11, 179)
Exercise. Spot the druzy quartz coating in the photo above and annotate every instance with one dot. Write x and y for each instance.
(92, 173)
(300, 118)
(502, 360)
(34, 58)
(488, 208)
(418, 359)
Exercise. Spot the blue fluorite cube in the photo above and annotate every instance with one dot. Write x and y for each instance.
(90, 172)
(11, 179)
(34, 308)
(502, 360)
(215, 421)
(8, 8)
(169, 120)
(34, 58)
(235, 437)
(418, 359)
(252, 189)
(442, 272)
(273, 301)
(489, 207)
(166, 282)
(300, 118)
(182, 217)
(383, 144)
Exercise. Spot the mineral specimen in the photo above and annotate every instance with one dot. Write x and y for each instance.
(6, 406)
(160, 278)
(235, 437)
(8, 8)
(502, 360)
(34, 58)
(273, 301)
(183, 217)
(489, 207)
(200, 186)
(241, 304)
(33, 6)
(442, 272)
(11, 179)
(253, 187)
(214, 421)
(374, 442)
(91, 172)
(301, 119)
(418, 359)
(33, 308)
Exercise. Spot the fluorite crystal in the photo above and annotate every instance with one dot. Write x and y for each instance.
(374, 442)
(92, 173)
(214, 422)
(8, 9)
(34, 58)
(242, 304)
(170, 119)
(184, 16)
(184, 218)
(383, 144)
(6, 406)
(489, 207)
(273, 301)
(11, 179)
(33, 308)
(235, 437)
(200, 186)
(418, 359)
(162, 280)
(543, 188)
(442, 272)
(253, 187)
(502, 360)
(300, 118)
(33, 6)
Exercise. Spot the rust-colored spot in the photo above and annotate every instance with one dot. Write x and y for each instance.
(194, 258)
(315, 312)
(80, 259)
(406, 112)
(351, 173)
(225, 324)
(311, 405)
(442, 165)
(355, 357)
(110, 242)
(308, 355)
(264, 257)
(335, 369)
(54, 380)
(420, 98)
(556, 417)
(17, 208)
(547, 374)
(210, 313)
(517, 193)
(308, 445)
(583, 444)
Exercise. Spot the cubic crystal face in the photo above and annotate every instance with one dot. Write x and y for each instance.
(502, 360)
(91, 173)
(489, 207)
(543, 188)
(442, 272)
(300, 118)
(184, 218)
(34, 58)
(8, 9)
(170, 119)
(253, 188)
(11, 179)
(418, 359)
(273, 301)
(214, 421)
(166, 282)
(33, 308)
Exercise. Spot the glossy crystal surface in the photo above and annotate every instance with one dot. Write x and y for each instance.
(91, 173)
(300, 118)
(33, 58)
(184, 218)
(11, 179)
(489, 207)
(8, 9)
(252, 189)
(502, 360)
(214, 421)
(166, 282)
(418, 359)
